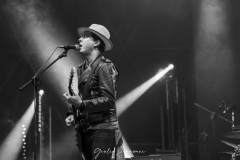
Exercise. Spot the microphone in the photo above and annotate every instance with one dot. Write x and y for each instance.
(229, 108)
(76, 46)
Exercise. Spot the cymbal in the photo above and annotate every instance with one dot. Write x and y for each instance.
(234, 134)
(236, 127)
(231, 144)
(227, 152)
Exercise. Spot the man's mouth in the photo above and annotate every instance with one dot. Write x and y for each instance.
(79, 47)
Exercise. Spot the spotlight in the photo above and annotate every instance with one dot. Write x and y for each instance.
(41, 92)
(170, 66)
(162, 72)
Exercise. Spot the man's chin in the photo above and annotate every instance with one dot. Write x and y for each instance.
(85, 52)
(81, 51)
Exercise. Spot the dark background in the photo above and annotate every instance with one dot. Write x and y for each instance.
(147, 35)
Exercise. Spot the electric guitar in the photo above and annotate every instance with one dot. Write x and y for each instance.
(76, 113)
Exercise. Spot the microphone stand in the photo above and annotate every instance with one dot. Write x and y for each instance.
(212, 113)
(204, 136)
(36, 83)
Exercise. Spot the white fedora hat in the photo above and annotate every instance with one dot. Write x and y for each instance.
(100, 31)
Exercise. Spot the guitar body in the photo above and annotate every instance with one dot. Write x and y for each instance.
(77, 129)
(76, 115)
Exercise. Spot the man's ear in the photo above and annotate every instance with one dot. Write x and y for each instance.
(97, 43)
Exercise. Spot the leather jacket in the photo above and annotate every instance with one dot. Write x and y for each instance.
(100, 100)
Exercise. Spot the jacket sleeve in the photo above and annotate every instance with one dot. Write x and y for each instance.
(107, 81)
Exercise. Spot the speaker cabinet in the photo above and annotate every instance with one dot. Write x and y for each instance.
(176, 156)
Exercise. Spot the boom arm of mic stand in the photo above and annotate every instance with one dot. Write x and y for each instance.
(204, 132)
(64, 54)
(212, 113)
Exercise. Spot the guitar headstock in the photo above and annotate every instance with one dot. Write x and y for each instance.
(71, 80)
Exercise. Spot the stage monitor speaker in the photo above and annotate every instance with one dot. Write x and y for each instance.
(176, 156)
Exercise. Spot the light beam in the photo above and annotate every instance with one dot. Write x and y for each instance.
(124, 102)
(11, 146)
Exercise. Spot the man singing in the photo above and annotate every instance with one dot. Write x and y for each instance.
(96, 97)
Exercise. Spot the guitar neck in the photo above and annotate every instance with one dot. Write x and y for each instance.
(74, 113)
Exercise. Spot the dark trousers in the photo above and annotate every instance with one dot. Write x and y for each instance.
(98, 144)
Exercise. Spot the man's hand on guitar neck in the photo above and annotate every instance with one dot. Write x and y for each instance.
(73, 100)
(70, 121)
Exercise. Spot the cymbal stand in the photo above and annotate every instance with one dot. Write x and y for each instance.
(236, 153)
(204, 136)
(214, 138)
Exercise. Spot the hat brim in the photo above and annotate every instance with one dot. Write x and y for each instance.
(108, 43)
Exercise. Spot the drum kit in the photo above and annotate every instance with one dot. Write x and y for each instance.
(234, 135)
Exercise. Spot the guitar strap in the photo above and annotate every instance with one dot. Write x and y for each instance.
(87, 85)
